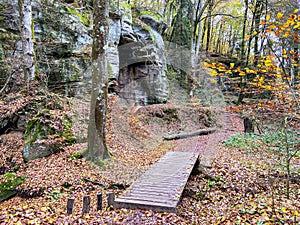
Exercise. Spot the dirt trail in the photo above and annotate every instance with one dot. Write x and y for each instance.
(207, 146)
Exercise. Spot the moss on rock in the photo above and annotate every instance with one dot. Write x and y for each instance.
(83, 18)
(8, 184)
(155, 16)
(49, 131)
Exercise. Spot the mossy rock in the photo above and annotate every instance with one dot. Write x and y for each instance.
(155, 16)
(143, 27)
(82, 16)
(47, 134)
(8, 184)
(171, 114)
(125, 6)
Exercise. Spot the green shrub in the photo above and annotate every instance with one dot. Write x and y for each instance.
(77, 155)
(270, 141)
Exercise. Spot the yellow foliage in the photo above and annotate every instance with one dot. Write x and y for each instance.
(250, 71)
(268, 87)
(213, 81)
(284, 52)
(297, 25)
(206, 64)
(213, 73)
(242, 73)
(268, 62)
(279, 15)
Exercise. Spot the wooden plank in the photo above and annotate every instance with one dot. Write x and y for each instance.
(161, 186)
(154, 194)
(134, 204)
(149, 199)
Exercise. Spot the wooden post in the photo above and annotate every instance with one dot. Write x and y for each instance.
(70, 205)
(111, 199)
(86, 204)
(248, 125)
(99, 202)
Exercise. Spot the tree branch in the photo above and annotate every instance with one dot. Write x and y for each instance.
(220, 14)
(7, 82)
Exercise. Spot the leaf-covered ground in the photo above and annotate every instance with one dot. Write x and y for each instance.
(240, 187)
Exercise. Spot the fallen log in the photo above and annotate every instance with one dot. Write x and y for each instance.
(190, 134)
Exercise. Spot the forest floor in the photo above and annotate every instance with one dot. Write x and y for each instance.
(236, 185)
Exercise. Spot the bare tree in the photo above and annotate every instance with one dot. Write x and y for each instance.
(25, 11)
(97, 148)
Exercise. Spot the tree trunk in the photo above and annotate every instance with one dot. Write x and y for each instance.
(193, 37)
(219, 39)
(231, 42)
(194, 56)
(204, 31)
(244, 32)
(295, 75)
(97, 148)
(199, 23)
(253, 24)
(257, 30)
(209, 24)
(243, 82)
(248, 125)
(25, 11)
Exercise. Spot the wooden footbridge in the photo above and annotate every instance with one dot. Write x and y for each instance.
(161, 187)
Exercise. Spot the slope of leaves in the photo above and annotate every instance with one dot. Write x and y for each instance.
(241, 188)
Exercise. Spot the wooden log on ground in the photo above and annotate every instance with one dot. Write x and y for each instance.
(190, 134)
(70, 205)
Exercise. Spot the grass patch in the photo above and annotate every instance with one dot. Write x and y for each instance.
(276, 142)
(77, 155)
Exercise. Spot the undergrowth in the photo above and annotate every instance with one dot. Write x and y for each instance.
(271, 141)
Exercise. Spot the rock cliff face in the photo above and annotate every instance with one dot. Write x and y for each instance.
(63, 38)
(142, 77)
(141, 65)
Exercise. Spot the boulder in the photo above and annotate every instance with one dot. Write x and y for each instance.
(142, 77)
(45, 135)
(8, 184)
